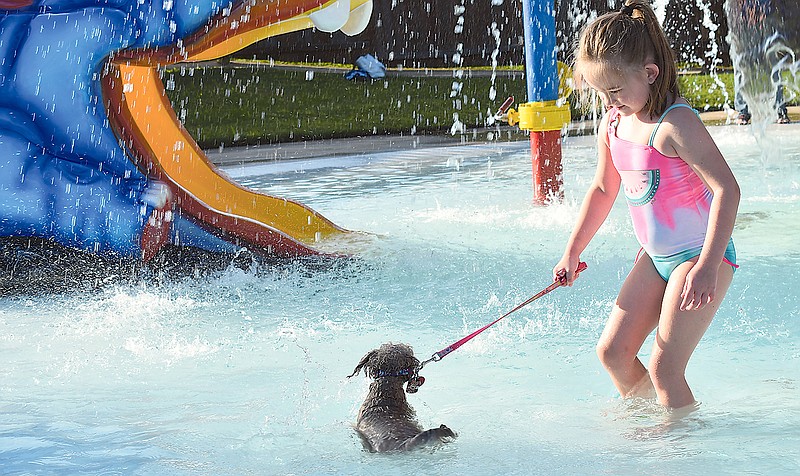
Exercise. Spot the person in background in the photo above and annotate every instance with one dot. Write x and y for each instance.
(740, 105)
(756, 23)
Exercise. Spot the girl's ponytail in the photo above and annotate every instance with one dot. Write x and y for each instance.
(666, 84)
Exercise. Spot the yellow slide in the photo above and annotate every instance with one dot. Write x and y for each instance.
(143, 117)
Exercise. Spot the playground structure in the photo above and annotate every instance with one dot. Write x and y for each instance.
(542, 115)
(95, 158)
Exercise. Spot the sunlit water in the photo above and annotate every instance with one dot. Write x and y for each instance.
(244, 372)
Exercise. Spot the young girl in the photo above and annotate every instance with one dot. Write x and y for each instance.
(681, 194)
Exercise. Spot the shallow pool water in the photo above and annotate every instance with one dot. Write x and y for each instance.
(244, 372)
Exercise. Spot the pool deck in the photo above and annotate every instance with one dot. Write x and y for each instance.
(232, 156)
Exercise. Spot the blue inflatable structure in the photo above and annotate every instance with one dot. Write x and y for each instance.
(69, 170)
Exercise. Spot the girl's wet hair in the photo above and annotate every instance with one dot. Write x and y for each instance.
(630, 37)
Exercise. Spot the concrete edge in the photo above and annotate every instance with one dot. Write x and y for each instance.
(230, 156)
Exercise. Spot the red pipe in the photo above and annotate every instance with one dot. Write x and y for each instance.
(546, 162)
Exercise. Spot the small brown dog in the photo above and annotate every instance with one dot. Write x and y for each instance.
(386, 422)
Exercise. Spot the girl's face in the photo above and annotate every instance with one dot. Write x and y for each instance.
(627, 89)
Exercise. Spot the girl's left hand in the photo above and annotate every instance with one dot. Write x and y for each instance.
(700, 287)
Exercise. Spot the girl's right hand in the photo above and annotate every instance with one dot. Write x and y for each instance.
(564, 271)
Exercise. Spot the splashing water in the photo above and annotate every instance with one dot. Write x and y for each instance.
(244, 371)
(764, 45)
(458, 73)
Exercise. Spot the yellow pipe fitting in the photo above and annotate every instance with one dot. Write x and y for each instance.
(542, 116)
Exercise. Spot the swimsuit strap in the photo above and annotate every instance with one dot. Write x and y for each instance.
(660, 119)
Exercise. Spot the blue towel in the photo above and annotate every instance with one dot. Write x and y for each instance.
(367, 66)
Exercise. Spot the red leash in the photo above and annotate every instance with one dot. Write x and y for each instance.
(455, 345)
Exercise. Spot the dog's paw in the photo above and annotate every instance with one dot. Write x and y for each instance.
(429, 437)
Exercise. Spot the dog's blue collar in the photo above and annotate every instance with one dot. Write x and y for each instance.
(414, 379)
(399, 373)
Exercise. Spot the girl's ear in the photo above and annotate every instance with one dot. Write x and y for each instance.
(651, 69)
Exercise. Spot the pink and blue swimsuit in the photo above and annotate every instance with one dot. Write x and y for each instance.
(668, 201)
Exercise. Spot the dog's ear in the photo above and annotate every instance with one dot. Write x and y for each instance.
(364, 362)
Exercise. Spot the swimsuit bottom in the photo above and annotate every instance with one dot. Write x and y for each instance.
(665, 265)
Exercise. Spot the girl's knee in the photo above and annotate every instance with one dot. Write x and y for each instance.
(611, 354)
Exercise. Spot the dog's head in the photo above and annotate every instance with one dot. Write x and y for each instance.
(392, 361)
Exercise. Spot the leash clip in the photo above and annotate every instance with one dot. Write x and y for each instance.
(416, 380)
(434, 358)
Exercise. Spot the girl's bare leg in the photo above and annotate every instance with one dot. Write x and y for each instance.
(678, 334)
(634, 316)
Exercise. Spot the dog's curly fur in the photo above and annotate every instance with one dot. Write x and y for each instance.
(386, 422)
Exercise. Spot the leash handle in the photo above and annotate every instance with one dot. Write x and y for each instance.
(455, 345)
(581, 267)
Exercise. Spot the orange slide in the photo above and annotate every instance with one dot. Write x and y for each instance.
(143, 117)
